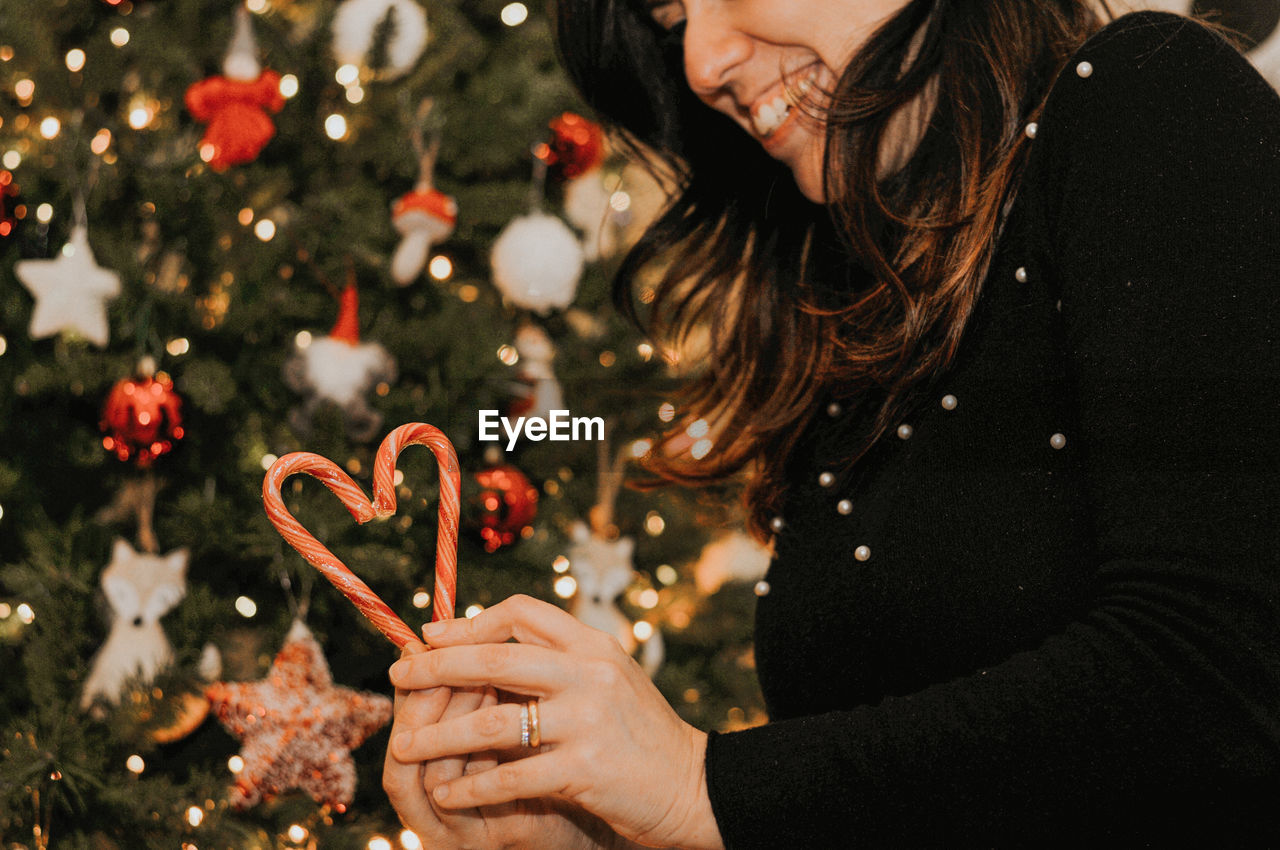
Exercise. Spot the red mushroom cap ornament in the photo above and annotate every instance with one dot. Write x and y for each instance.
(424, 217)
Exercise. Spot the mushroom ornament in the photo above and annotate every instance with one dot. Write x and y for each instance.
(423, 217)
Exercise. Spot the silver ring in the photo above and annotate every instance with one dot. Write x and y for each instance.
(524, 724)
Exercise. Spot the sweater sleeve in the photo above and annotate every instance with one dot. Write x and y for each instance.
(1161, 700)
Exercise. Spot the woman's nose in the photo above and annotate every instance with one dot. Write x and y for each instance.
(712, 50)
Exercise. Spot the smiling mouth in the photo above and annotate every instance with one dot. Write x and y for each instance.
(768, 116)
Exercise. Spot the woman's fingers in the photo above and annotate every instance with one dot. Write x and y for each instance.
(520, 618)
(493, 727)
(516, 667)
(525, 779)
(437, 771)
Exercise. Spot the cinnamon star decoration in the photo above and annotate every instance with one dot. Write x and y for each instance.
(297, 727)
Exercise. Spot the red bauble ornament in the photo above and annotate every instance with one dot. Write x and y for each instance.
(237, 114)
(506, 506)
(142, 419)
(577, 146)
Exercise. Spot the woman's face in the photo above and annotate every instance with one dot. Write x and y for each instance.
(753, 60)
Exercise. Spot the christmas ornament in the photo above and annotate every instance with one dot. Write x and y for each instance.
(236, 104)
(537, 262)
(189, 712)
(338, 368)
(140, 589)
(71, 291)
(384, 505)
(423, 217)
(8, 194)
(604, 570)
(538, 390)
(142, 417)
(298, 728)
(576, 147)
(506, 506)
(397, 28)
(734, 557)
(587, 206)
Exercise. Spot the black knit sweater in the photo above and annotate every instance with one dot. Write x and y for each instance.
(1049, 612)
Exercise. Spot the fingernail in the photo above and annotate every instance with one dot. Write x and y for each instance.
(402, 741)
(398, 670)
(433, 630)
(441, 792)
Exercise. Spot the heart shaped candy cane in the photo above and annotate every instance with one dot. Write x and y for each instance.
(382, 506)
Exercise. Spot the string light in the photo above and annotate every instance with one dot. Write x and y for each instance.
(473, 610)
(440, 267)
(26, 613)
(140, 115)
(288, 85)
(50, 127)
(620, 202)
(666, 411)
(119, 36)
(235, 764)
(640, 448)
(101, 141)
(379, 843)
(75, 59)
(643, 630)
(468, 293)
(246, 606)
(12, 159)
(256, 6)
(560, 564)
(245, 216)
(4, 345)
(654, 523)
(195, 815)
(409, 840)
(178, 346)
(44, 214)
(25, 89)
(421, 599)
(608, 358)
(335, 127)
(514, 14)
(508, 355)
(645, 351)
(297, 833)
(700, 449)
(5, 610)
(303, 339)
(6, 53)
(565, 587)
(355, 94)
(667, 574)
(265, 229)
(135, 763)
(347, 75)
(268, 460)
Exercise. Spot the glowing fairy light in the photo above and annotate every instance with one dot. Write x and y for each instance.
(26, 613)
(642, 630)
(335, 127)
(75, 60)
(101, 141)
(565, 587)
(265, 229)
(698, 428)
(440, 267)
(560, 564)
(11, 159)
(235, 764)
(245, 216)
(25, 89)
(195, 815)
(50, 127)
(303, 339)
(645, 350)
(135, 764)
(297, 833)
(140, 117)
(379, 843)
(640, 448)
(654, 524)
(508, 355)
(288, 85)
(355, 94)
(347, 75)
(178, 346)
(700, 449)
(257, 6)
(421, 599)
(620, 202)
(409, 840)
(246, 606)
(666, 411)
(667, 574)
(269, 460)
(119, 36)
(473, 610)
(514, 14)
(44, 213)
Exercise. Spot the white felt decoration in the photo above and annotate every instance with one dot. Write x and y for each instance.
(140, 588)
(537, 262)
(71, 291)
(586, 204)
(536, 353)
(603, 569)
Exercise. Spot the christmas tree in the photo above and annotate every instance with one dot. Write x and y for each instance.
(229, 233)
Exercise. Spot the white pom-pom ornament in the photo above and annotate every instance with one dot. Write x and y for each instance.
(357, 21)
(586, 204)
(537, 262)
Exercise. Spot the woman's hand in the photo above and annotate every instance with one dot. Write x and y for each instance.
(610, 743)
(523, 824)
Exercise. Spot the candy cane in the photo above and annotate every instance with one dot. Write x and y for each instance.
(350, 494)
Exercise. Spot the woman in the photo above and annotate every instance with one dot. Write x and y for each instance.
(994, 320)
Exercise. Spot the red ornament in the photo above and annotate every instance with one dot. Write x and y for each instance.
(8, 189)
(577, 146)
(506, 506)
(142, 419)
(237, 114)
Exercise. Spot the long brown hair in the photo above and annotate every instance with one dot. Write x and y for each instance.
(862, 301)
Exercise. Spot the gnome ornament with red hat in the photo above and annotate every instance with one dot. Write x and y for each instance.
(424, 216)
(340, 369)
(237, 105)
